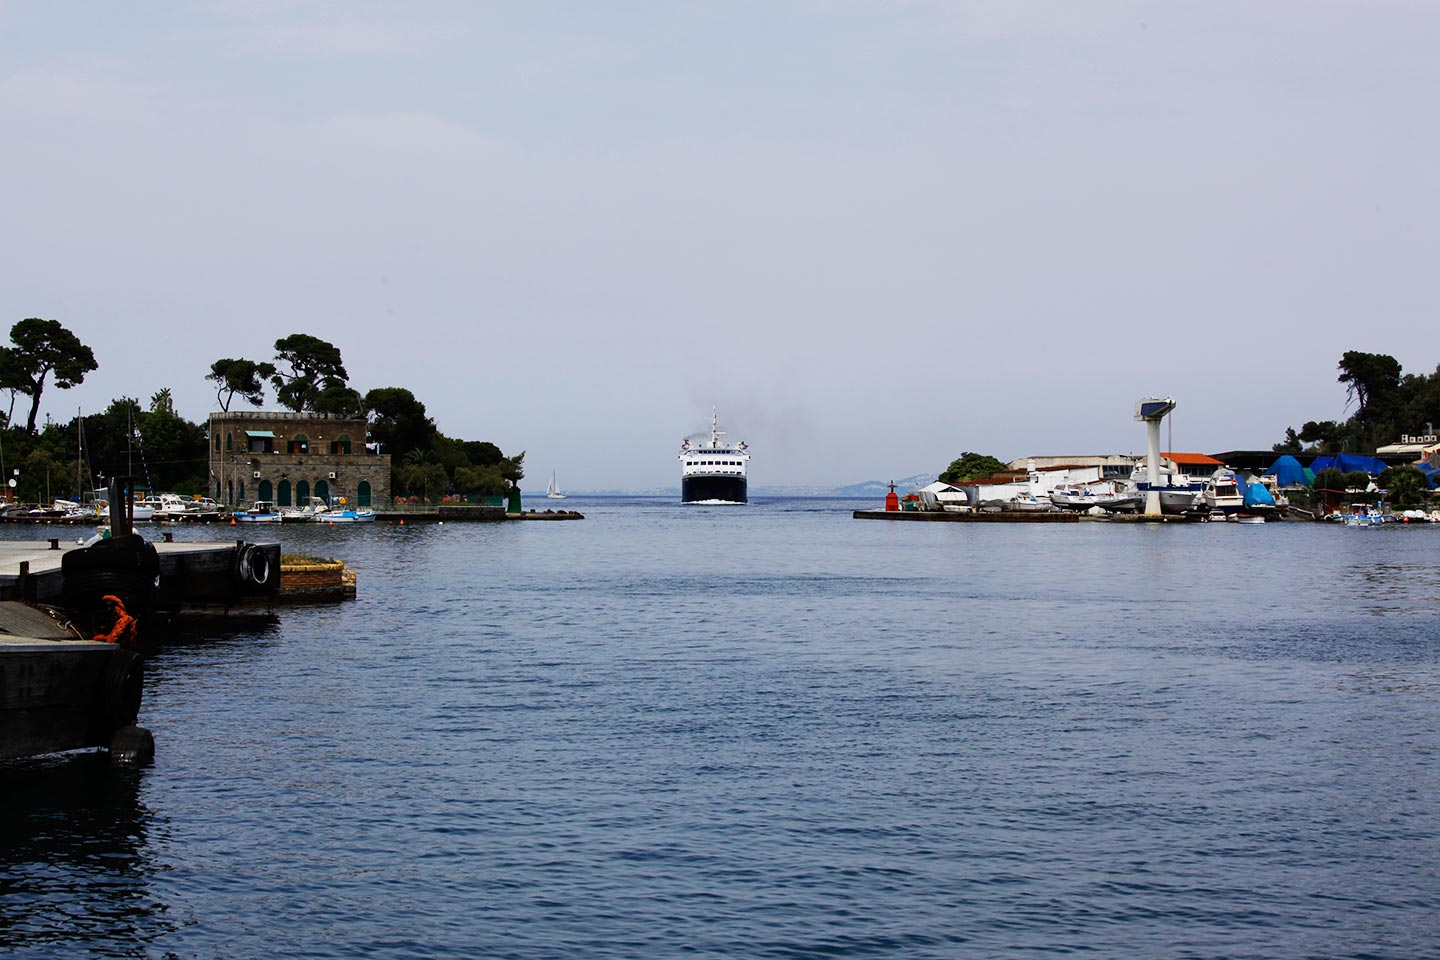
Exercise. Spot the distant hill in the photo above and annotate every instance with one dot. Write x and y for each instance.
(870, 488)
(878, 488)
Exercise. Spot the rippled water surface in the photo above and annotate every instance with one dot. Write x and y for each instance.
(774, 731)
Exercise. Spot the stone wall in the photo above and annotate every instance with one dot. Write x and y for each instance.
(305, 457)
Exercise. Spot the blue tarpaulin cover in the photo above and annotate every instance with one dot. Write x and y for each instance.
(1288, 472)
(1256, 494)
(1349, 463)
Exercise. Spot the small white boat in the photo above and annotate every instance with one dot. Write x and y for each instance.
(175, 508)
(553, 489)
(1024, 504)
(311, 510)
(140, 509)
(347, 516)
(1364, 515)
(261, 511)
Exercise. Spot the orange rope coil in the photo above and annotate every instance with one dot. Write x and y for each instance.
(124, 630)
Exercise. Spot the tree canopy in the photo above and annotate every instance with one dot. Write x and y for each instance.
(398, 421)
(971, 466)
(1388, 404)
(245, 377)
(312, 366)
(42, 348)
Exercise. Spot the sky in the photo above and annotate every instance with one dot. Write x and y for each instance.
(873, 234)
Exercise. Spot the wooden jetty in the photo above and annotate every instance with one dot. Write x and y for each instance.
(941, 516)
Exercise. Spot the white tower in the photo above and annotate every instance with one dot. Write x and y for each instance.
(1152, 410)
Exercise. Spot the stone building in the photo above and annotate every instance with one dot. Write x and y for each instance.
(289, 457)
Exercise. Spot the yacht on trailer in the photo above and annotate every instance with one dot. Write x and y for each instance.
(713, 472)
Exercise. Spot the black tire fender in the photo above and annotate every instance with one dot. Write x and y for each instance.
(121, 687)
(252, 565)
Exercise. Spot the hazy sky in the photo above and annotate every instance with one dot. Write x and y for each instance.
(874, 234)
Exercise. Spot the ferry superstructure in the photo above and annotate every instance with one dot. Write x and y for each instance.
(713, 472)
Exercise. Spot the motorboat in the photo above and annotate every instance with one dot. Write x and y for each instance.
(312, 509)
(1084, 496)
(174, 508)
(1222, 495)
(261, 511)
(347, 516)
(1364, 515)
(1026, 504)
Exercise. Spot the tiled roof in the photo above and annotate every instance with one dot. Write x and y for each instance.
(1195, 458)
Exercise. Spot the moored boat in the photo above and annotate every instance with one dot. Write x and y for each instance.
(312, 509)
(261, 511)
(1222, 495)
(175, 509)
(347, 516)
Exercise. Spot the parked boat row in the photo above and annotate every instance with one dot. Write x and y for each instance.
(172, 508)
(314, 510)
(1220, 494)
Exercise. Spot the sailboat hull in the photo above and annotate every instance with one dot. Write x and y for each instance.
(552, 491)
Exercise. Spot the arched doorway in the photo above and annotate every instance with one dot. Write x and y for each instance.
(264, 492)
(322, 490)
(302, 492)
(230, 492)
(362, 493)
(282, 493)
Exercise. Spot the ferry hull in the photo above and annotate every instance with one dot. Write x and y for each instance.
(694, 489)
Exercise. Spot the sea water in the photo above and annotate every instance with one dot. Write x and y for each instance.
(772, 731)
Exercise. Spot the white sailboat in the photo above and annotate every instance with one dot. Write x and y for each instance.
(553, 489)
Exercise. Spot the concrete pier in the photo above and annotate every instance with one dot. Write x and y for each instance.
(189, 572)
(982, 517)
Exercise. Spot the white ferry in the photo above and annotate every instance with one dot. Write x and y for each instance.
(713, 472)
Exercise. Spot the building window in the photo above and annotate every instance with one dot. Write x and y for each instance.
(340, 446)
(228, 443)
(300, 444)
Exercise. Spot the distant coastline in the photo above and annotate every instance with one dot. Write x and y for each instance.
(868, 488)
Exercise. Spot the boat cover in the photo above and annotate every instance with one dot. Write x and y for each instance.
(1432, 474)
(1350, 463)
(1255, 493)
(1289, 473)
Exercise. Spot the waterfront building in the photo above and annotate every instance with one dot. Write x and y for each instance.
(289, 457)
(1114, 466)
